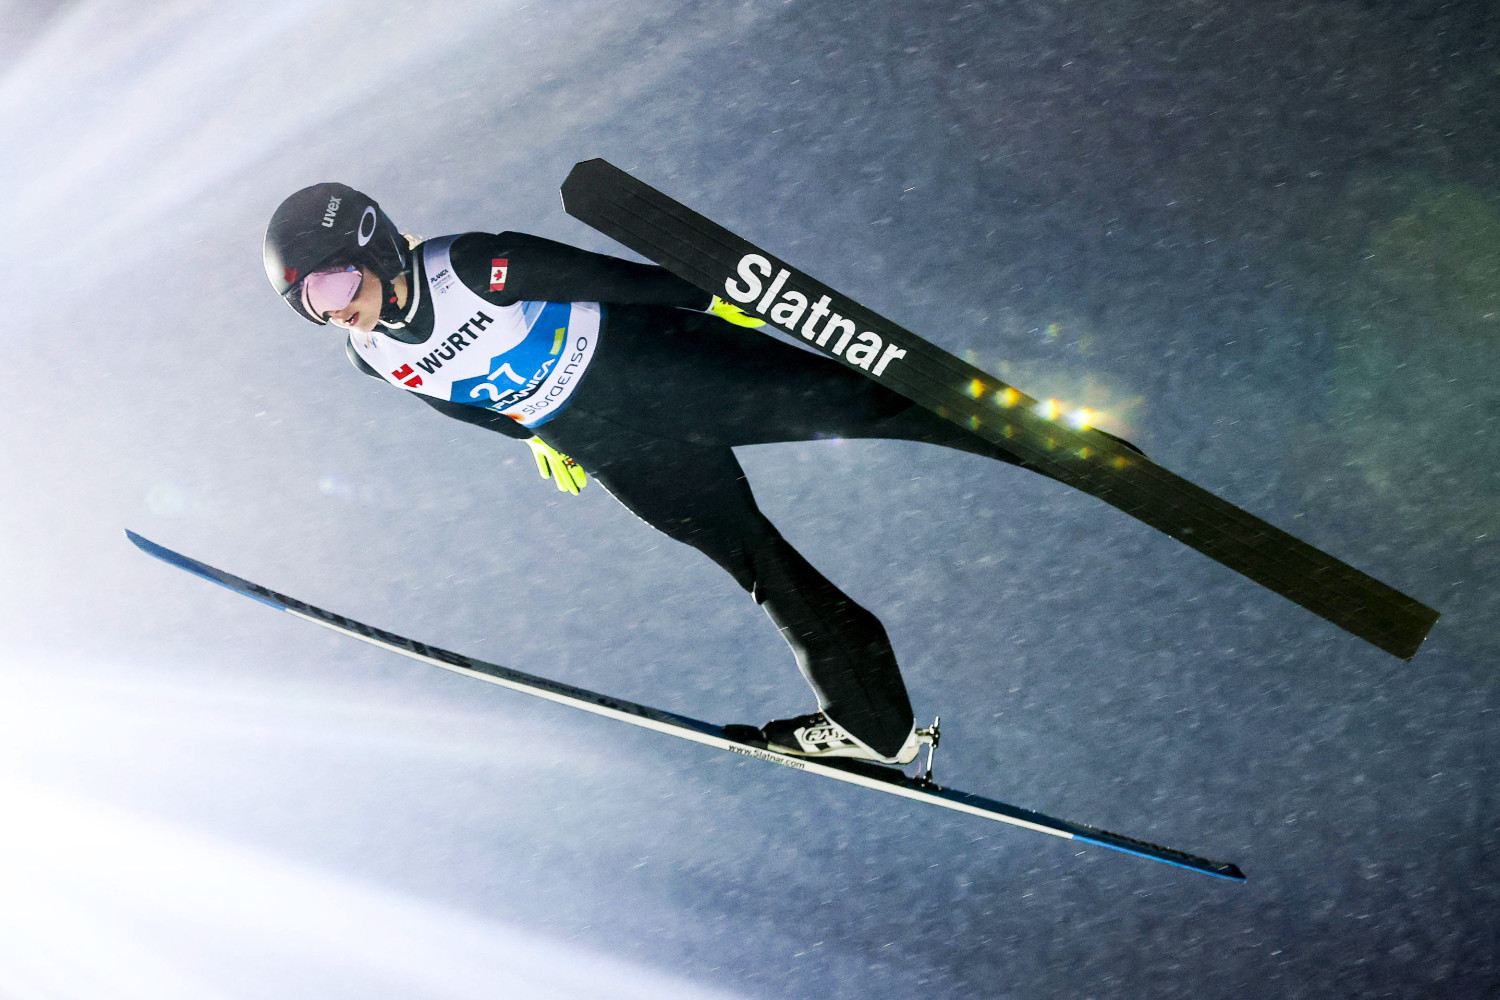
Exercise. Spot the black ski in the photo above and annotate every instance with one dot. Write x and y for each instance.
(882, 779)
(716, 260)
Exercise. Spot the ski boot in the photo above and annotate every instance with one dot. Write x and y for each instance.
(817, 735)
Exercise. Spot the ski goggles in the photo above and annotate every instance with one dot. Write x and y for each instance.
(325, 292)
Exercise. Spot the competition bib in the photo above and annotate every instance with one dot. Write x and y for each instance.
(523, 360)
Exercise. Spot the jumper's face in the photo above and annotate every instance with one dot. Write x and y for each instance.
(363, 310)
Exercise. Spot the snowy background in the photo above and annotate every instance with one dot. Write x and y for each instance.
(1263, 238)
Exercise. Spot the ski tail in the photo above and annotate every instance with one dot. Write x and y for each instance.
(883, 779)
(716, 260)
(1030, 819)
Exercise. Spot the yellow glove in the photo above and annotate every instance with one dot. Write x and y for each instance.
(731, 313)
(553, 464)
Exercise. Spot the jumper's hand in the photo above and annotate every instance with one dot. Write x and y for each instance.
(553, 464)
(731, 313)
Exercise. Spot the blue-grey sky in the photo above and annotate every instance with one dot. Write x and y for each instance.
(1262, 240)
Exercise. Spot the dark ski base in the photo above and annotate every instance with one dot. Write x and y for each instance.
(718, 261)
(883, 779)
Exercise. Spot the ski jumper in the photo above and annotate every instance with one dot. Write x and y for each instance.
(666, 393)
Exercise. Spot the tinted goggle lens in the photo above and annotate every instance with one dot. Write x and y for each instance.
(325, 292)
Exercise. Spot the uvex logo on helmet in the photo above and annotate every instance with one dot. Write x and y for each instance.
(331, 212)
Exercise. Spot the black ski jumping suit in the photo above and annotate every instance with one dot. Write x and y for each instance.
(670, 391)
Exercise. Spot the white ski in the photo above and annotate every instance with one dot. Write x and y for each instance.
(882, 779)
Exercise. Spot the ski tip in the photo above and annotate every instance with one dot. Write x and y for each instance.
(204, 570)
(166, 555)
(144, 544)
(593, 166)
(583, 181)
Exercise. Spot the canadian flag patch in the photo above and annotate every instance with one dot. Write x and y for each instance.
(498, 269)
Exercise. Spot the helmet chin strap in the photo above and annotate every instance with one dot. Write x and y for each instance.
(392, 315)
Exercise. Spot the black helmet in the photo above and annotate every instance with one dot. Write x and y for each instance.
(329, 225)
